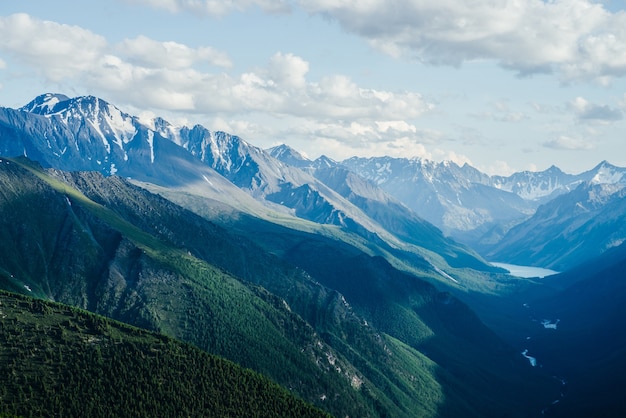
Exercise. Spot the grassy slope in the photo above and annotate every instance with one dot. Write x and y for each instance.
(59, 361)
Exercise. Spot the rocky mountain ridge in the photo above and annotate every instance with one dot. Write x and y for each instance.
(87, 133)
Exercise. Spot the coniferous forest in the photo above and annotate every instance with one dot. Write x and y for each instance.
(60, 361)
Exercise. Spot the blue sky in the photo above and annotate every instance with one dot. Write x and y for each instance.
(505, 85)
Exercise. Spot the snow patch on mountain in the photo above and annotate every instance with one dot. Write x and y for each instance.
(606, 173)
(151, 144)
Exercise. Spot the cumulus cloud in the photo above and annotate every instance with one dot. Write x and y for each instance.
(169, 76)
(57, 51)
(590, 112)
(154, 54)
(287, 70)
(576, 38)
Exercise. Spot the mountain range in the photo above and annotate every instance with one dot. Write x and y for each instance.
(362, 286)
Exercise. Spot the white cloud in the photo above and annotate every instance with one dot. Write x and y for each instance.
(165, 76)
(579, 39)
(154, 54)
(590, 112)
(57, 51)
(288, 70)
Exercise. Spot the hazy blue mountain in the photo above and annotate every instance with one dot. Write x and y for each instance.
(473, 207)
(569, 229)
(394, 216)
(535, 186)
(456, 199)
(544, 185)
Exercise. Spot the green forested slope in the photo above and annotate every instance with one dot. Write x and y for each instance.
(58, 361)
(391, 347)
(57, 244)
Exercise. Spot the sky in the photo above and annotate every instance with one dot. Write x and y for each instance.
(504, 85)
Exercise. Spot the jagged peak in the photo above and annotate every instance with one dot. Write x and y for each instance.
(44, 104)
(553, 169)
(283, 150)
(49, 104)
(606, 172)
(603, 164)
(325, 161)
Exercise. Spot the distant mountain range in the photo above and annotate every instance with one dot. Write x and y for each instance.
(464, 202)
(352, 283)
(391, 201)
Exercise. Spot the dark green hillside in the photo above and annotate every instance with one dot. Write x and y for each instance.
(59, 361)
(139, 259)
(321, 307)
(406, 308)
(65, 247)
(475, 363)
(477, 372)
(394, 346)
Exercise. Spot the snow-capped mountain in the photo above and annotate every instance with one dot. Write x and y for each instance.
(537, 186)
(278, 185)
(89, 134)
(380, 206)
(545, 185)
(290, 156)
(456, 199)
(605, 173)
(469, 205)
(392, 200)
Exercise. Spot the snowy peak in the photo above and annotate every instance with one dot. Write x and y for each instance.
(324, 162)
(538, 186)
(383, 170)
(605, 173)
(288, 155)
(45, 104)
(110, 124)
(534, 186)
